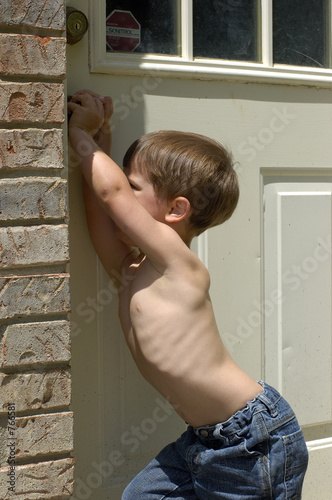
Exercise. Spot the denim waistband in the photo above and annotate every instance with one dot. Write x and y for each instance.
(270, 399)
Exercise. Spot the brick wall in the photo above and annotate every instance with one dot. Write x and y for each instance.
(36, 437)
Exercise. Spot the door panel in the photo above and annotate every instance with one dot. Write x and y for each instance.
(297, 256)
(274, 317)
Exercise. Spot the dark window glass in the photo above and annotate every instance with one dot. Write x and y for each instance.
(226, 29)
(300, 32)
(159, 26)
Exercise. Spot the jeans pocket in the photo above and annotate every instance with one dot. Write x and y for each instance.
(296, 454)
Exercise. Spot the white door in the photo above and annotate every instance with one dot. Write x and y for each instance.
(270, 264)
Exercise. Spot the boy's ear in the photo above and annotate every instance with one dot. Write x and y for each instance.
(179, 209)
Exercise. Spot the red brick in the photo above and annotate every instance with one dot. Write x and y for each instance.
(51, 480)
(35, 391)
(43, 435)
(31, 149)
(31, 103)
(36, 13)
(25, 55)
(24, 344)
(31, 198)
(36, 245)
(31, 295)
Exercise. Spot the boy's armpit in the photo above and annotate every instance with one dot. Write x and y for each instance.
(130, 258)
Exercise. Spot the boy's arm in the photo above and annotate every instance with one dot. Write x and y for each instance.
(112, 252)
(159, 242)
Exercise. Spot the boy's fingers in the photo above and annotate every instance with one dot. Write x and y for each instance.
(93, 94)
(72, 106)
(108, 101)
(86, 100)
(108, 107)
(100, 106)
(84, 97)
(77, 98)
(86, 91)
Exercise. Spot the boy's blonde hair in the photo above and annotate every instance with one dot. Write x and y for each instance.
(189, 165)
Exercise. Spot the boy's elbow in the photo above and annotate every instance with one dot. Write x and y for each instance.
(110, 197)
(107, 194)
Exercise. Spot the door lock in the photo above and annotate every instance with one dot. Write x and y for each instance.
(77, 25)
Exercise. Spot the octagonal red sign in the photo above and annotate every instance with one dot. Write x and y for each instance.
(123, 31)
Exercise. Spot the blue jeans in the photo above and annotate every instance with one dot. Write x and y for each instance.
(259, 453)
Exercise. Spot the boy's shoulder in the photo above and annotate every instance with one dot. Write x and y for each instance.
(198, 272)
(185, 269)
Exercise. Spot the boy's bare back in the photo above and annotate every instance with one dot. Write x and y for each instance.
(169, 326)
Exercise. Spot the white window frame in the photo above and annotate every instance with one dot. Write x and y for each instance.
(186, 66)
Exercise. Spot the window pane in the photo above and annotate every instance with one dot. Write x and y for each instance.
(226, 29)
(300, 32)
(156, 29)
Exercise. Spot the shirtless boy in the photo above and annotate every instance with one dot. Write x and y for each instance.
(243, 440)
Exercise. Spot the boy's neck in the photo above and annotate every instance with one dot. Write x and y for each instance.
(181, 228)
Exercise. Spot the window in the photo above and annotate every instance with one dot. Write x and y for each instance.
(301, 32)
(158, 25)
(226, 29)
(252, 39)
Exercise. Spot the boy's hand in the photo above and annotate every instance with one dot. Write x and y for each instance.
(87, 113)
(103, 136)
(107, 103)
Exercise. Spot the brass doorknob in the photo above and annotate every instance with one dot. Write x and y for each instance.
(77, 25)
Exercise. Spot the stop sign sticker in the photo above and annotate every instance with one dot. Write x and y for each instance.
(123, 31)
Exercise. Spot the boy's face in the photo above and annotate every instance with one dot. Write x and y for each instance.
(145, 193)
